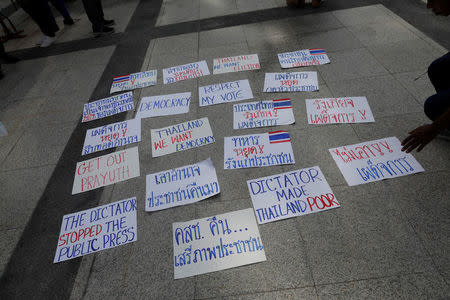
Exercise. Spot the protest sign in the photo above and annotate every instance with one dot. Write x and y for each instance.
(374, 161)
(303, 58)
(258, 150)
(97, 229)
(164, 105)
(338, 110)
(107, 107)
(291, 194)
(133, 81)
(187, 71)
(181, 137)
(224, 92)
(263, 113)
(291, 82)
(112, 135)
(105, 170)
(236, 64)
(181, 186)
(216, 243)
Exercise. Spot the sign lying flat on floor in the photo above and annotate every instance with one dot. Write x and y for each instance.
(97, 229)
(181, 137)
(263, 113)
(216, 243)
(164, 105)
(339, 110)
(258, 150)
(105, 170)
(236, 64)
(112, 135)
(374, 161)
(181, 186)
(291, 194)
(134, 81)
(107, 107)
(187, 71)
(224, 92)
(303, 58)
(291, 82)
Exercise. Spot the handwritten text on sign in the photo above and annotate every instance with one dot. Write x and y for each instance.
(133, 81)
(187, 71)
(374, 161)
(105, 170)
(258, 150)
(338, 110)
(224, 92)
(291, 82)
(263, 113)
(107, 107)
(291, 194)
(236, 64)
(97, 229)
(303, 58)
(164, 105)
(216, 243)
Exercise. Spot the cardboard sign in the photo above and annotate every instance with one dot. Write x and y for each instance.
(134, 81)
(107, 107)
(216, 243)
(374, 161)
(258, 150)
(291, 194)
(105, 170)
(164, 105)
(187, 71)
(181, 186)
(338, 110)
(263, 113)
(112, 135)
(291, 82)
(303, 58)
(236, 64)
(97, 229)
(181, 137)
(224, 92)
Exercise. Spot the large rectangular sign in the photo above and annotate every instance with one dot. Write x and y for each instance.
(224, 92)
(291, 82)
(184, 72)
(107, 107)
(303, 58)
(338, 110)
(263, 113)
(164, 105)
(134, 81)
(236, 63)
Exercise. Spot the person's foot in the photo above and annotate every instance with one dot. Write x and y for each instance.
(295, 3)
(9, 59)
(68, 21)
(47, 41)
(104, 31)
(316, 3)
(109, 22)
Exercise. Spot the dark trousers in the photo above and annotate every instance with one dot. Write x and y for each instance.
(41, 14)
(2, 52)
(61, 7)
(439, 74)
(94, 11)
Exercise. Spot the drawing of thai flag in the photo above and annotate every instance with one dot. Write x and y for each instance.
(280, 136)
(317, 51)
(122, 78)
(282, 103)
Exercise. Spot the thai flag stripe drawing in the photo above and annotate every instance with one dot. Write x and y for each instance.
(121, 78)
(281, 136)
(317, 51)
(282, 104)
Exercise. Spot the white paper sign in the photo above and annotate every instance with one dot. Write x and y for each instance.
(236, 64)
(97, 229)
(164, 105)
(303, 58)
(181, 137)
(224, 92)
(339, 110)
(216, 243)
(107, 107)
(105, 170)
(187, 71)
(134, 81)
(291, 194)
(374, 161)
(291, 82)
(258, 150)
(263, 113)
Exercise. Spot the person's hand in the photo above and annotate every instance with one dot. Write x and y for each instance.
(419, 137)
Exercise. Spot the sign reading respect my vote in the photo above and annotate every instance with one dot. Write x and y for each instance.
(164, 105)
(291, 82)
(303, 58)
(107, 107)
(133, 81)
(184, 72)
(236, 64)
(262, 114)
(225, 92)
(338, 110)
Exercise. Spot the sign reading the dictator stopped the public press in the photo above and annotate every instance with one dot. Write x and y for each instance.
(164, 105)
(187, 71)
(263, 113)
(97, 229)
(236, 64)
(224, 92)
(291, 82)
(216, 243)
(107, 107)
(338, 110)
(303, 58)
(134, 81)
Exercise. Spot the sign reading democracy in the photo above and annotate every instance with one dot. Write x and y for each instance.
(97, 229)
(339, 110)
(225, 92)
(134, 81)
(374, 161)
(258, 150)
(303, 58)
(236, 64)
(216, 243)
(187, 71)
(105, 170)
(291, 82)
(164, 105)
(181, 137)
(263, 113)
(291, 194)
(107, 107)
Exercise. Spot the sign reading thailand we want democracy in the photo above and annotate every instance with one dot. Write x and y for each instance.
(303, 58)
(236, 63)
(133, 81)
(107, 107)
(291, 82)
(263, 113)
(184, 72)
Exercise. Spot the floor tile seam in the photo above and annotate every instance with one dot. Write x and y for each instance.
(10, 229)
(413, 96)
(25, 168)
(124, 283)
(11, 150)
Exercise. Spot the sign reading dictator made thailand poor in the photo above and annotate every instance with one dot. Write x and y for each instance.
(133, 81)
(107, 107)
(262, 114)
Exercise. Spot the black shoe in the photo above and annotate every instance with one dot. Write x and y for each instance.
(68, 21)
(109, 22)
(1, 75)
(104, 31)
(9, 59)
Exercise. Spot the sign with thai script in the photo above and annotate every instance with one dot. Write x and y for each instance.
(258, 150)
(374, 161)
(216, 243)
(291, 82)
(303, 58)
(105, 170)
(236, 64)
(181, 137)
(107, 107)
(291, 194)
(134, 81)
(224, 92)
(263, 113)
(339, 110)
(164, 105)
(187, 71)
(97, 229)
(181, 186)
